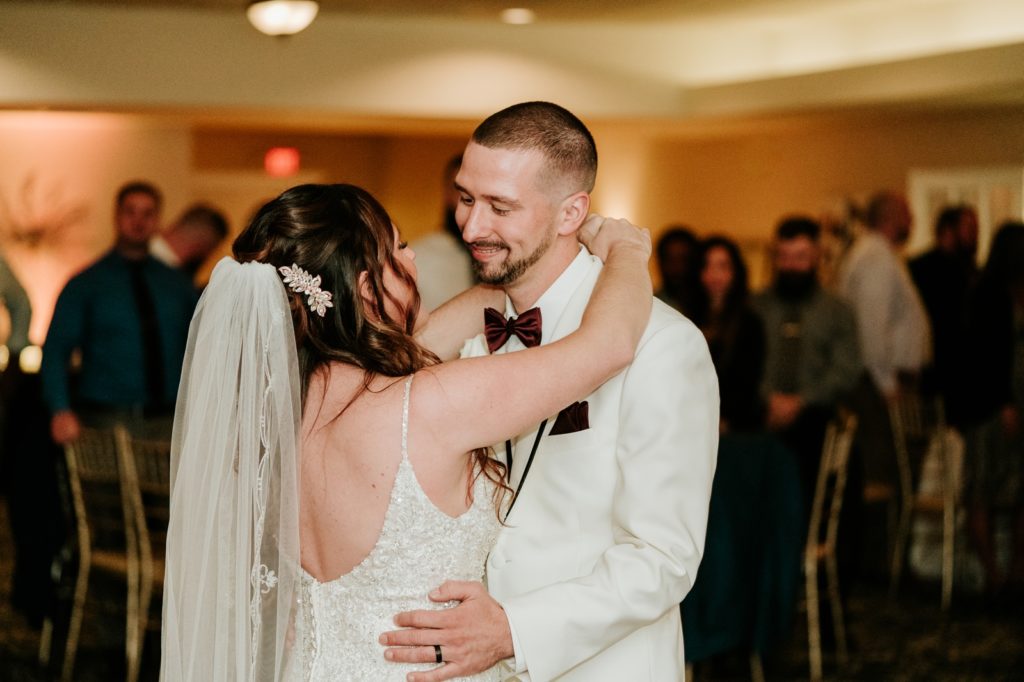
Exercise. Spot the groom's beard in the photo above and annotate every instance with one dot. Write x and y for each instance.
(509, 270)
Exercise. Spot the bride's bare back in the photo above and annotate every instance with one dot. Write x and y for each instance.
(350, 456)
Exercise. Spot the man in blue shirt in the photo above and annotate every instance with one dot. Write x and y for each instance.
(127, 315)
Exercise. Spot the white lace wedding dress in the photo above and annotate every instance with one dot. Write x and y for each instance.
(419, 548)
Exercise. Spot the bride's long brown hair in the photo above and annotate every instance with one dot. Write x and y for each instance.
(339, 232)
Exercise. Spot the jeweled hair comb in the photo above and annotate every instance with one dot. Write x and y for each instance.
(303, 282)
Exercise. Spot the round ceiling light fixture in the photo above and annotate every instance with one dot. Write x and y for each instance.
(281, 17)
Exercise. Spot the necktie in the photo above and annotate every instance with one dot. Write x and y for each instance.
(787, 372)
(151, 355)
(498, 330)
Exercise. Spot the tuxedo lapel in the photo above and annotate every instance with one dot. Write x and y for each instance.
(572, 301)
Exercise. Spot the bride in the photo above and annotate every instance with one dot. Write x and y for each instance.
(326, 466)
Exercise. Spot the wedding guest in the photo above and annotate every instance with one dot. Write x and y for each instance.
(445, 266)
(128, 315)
(190, 240)
(891, 320)
(994, 409)
(891, 323)
(813, 364)
(678, 254)
(27, 462)
(813, 359)
(17, 314)
(944, 276)
(744, 595)
(734, 333)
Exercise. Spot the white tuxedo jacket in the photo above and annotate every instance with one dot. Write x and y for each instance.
(606, 536)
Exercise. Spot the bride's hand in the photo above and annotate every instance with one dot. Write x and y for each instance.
(600, 235)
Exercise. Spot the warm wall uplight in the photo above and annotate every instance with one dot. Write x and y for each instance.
(518, 16)
(282, 17)
(281, 162)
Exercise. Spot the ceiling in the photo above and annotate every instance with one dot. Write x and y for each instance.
(453, 59)
(558, 10)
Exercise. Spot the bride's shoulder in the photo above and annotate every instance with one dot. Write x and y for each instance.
(331, 388)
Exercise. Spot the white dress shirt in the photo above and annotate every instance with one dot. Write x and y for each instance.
(162, 251)
(891, 320)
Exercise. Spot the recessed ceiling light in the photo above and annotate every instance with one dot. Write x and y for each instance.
(518, 16)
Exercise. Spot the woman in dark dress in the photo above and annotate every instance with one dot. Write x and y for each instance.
(734, 333)
(994, 428)
(744, 597)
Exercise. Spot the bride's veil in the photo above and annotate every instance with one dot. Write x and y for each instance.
(231, 587)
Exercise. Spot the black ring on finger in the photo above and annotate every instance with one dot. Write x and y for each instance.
(437, 654)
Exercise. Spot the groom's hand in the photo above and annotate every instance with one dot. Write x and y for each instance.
(474, 635)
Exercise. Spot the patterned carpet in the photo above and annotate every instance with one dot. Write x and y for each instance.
(907, 639)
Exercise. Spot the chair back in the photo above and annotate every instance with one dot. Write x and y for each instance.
(920, 432)
(831, 484)
(95, 481)
(146, 465)
(915, 420)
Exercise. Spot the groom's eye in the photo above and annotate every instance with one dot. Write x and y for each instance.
(500, 211)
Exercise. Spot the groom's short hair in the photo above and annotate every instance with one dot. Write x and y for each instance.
(550, 129)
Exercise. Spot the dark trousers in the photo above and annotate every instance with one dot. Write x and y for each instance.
(31, 470)
(874, 444)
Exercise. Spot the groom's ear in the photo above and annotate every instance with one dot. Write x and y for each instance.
(575, 210)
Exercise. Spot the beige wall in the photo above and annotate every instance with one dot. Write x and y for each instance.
(59, 172)
(58, 177)
(402, 171)
(740, 183)
(413, 186)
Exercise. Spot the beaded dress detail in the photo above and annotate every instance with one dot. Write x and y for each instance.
(419, 548)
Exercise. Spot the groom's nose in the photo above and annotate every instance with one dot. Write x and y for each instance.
(471, 222)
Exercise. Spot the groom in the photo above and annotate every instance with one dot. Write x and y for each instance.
(607, 525)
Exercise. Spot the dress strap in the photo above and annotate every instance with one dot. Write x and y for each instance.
(405, 418)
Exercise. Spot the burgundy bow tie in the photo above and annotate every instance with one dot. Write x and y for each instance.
(498, 330)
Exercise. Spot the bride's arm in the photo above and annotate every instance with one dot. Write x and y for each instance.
(445, 330)
(476, 401)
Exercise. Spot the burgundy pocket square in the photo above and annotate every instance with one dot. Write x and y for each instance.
(572, 419)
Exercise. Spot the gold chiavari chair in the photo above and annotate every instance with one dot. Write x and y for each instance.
(106, 541)
(919, 423)
(822, 537)
(146, 482)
